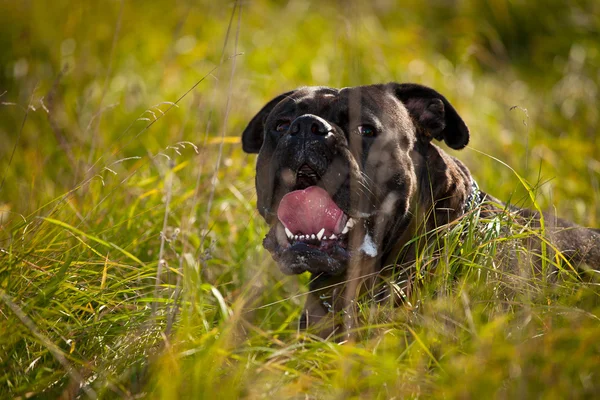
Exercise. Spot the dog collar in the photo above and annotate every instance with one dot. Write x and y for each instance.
(474, 199)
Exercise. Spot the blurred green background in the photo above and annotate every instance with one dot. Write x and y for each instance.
(120, 163)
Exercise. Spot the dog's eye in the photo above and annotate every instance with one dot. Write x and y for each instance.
(366, 130)
(282, 126)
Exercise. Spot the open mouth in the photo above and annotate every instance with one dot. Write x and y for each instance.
(311, 217)
(313, 233)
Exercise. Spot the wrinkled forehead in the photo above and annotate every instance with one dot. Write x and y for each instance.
(347, 103)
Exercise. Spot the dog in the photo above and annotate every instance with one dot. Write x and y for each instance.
(346, 178)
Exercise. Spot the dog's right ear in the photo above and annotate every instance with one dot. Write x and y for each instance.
(253, 135)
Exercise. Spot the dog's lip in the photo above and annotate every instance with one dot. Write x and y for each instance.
(296, 257)
(302, 258)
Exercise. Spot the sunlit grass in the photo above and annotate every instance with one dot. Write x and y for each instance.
(130, 249)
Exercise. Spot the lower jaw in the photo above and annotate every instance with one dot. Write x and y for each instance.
(297, 258)
(327, 256)
(293, 261)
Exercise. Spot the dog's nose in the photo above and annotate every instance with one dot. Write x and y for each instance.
(310, 124)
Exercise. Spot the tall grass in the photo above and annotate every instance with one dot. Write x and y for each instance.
(131, 262)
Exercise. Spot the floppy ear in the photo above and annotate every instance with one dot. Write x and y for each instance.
(432, 112)
(253, 135)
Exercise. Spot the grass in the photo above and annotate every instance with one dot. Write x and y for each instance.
(131, 262)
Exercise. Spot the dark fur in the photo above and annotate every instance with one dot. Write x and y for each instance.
(397, 184)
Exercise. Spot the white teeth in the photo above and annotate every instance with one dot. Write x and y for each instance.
(349, 225)
(289, 233)
(321, 233)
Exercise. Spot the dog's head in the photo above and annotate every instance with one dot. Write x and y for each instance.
(336, 168)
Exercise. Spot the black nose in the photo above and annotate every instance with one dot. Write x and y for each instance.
(310, 124)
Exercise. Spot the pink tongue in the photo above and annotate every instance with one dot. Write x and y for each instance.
(309, 211)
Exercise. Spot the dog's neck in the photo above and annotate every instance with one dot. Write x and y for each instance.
(444, 188)
(447, 191)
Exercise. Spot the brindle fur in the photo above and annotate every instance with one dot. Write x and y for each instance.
(398, 183)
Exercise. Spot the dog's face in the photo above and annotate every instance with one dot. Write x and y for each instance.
(335, 174)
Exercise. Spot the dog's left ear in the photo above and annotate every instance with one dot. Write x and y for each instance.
(253, 135)
(433, 113)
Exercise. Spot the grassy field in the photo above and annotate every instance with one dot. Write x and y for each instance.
(131, 262)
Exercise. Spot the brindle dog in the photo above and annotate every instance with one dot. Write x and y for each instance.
(347, 177)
